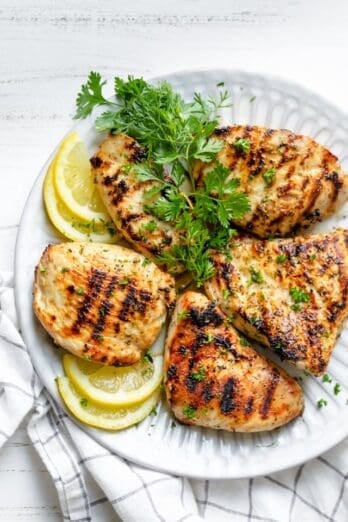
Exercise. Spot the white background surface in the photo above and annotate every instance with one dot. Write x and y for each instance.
(47, 49)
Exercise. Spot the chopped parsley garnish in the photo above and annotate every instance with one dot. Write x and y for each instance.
(326, 378)
(145, 261)
(175, 134)
(312, 257)
(278, 346)
(298, 296)
(220, 84)
(184, 314)
(296, 307)
(189, 412)
(226, 293)
(84, 402)
(147, 372)
(65, 269)
(209, 338)
(147, 357)
(269, 176)
(321, 403)
(281, 259)
(199, 375)
(326, 334)
(80, 291)
(337, 389)
(255, 276)
(252, 99)
(153, 411)
(243, 340)
(123, 281)
(150, 226)
(242, 145)
(100, 338)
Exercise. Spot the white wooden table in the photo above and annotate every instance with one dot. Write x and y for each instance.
(47, 48)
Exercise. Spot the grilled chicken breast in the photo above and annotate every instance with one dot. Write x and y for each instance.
(290, 179)
(212, 380)
(289, 294)
(101, 302)
(124, 196)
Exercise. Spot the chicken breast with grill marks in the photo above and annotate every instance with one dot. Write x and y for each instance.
(101, 302)
(212, 380)
(289, 294)
(124, 196)
(290, 179)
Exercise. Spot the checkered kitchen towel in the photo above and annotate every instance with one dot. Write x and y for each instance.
(87, 476)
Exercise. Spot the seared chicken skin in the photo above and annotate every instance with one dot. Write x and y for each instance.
(289, 294)
(101, 302)
(125, 196)
(290, 179)
(212, 380)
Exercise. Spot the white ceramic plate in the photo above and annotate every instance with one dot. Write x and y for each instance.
(156, 442)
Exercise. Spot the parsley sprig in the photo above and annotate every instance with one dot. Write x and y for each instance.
(175, 135)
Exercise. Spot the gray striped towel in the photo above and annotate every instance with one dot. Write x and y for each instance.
(90, 479)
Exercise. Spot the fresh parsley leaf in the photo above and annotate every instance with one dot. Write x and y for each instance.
(206, 149)
(170, 206)
(90, 95)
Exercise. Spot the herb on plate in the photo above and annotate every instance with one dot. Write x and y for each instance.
(175, 135)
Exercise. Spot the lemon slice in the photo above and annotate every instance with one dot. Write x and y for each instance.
(74, 183)
(114, 387)
(105, 418)
(67, 223)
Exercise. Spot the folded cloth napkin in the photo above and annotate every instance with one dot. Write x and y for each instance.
(89, 478)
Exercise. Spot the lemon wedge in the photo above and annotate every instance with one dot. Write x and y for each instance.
(104, 418)
(68, 224)
(114, 387)
(74, 183)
